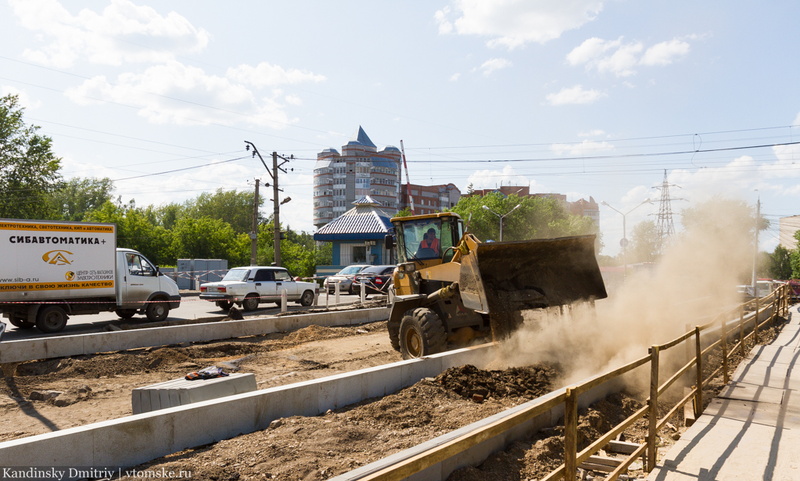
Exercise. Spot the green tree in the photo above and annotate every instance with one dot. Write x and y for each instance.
(77, 197)
(207, 238)
(404, 212)
(136, 230)
(29, 170)
(235, 208)
(794, 258)
(780, 263)
(644, 243)
(523, 217)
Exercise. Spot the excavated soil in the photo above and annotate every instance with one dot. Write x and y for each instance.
(55, 394)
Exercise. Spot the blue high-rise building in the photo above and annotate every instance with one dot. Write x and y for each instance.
(360, 170)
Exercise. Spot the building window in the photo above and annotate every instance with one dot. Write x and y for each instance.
(352, 254)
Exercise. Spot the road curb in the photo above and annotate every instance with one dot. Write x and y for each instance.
(64, 346)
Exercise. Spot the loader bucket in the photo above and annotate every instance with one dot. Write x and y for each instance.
(503, 278)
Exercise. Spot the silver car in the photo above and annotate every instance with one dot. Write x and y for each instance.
(345, 278)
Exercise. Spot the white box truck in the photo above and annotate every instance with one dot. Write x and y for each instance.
(50, 270)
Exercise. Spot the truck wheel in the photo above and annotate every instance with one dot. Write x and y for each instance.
(225, 305)
(125, 313)
(421, 334)
(51, 319)
(307, 299)
(21, 323)
(156, 311)
(250, 303)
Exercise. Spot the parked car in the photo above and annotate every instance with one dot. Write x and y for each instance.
(377, 279)
(249, 286)
(763, 288)
(345, 278)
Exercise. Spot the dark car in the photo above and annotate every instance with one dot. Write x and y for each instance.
(377, 279)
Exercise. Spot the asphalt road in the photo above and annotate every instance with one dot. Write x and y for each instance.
(192, 309)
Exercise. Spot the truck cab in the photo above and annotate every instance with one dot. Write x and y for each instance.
(141, 287)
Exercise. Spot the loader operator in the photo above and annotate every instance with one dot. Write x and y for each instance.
(429, 241)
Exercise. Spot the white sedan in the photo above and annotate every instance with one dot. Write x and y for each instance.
(249, 286)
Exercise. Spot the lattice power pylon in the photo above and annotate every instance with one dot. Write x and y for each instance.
(665, 228)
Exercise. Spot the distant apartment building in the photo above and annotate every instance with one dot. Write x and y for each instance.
(581, 207)
(428, 199)
(788, 227)
(360, 170)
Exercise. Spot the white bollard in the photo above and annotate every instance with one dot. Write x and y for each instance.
(316, 297)
(363, 292)
(284, 298)
(336, 294)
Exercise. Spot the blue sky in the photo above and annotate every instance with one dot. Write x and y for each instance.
(579, 97)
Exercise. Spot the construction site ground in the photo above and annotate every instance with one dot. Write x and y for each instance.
(42, 396)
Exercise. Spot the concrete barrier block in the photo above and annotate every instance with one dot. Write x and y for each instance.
(178, 392)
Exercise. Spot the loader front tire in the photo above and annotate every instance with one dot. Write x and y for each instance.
(421, 334)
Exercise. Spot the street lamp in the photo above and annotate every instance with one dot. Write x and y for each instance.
(624, 241)
(501, 217)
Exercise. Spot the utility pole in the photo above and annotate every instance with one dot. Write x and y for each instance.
(254, 232)
(276, 211)
(754, 280)
(276, 202)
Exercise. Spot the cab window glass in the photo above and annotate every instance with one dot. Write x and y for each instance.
(282, 275)
(134, 264)
(423, 239)
(263, 275)
(147, 267)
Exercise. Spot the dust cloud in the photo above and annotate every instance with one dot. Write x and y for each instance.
(693, 281)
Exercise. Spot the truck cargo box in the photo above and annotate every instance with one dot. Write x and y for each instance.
(44, 260)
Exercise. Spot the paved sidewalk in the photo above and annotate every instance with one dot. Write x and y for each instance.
(751, 431)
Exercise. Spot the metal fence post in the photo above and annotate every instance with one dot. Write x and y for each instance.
(570, 434)
(652, 435)
(698, 398)
(741, 331)
(755, 326)
(724, 342)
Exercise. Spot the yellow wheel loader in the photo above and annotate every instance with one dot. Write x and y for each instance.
(450, 287)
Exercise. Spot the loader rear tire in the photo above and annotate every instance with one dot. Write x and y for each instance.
(421, 334)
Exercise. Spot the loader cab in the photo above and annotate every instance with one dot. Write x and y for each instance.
(429, 238)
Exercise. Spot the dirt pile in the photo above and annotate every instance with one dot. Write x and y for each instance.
(477, 384)
(319, 447)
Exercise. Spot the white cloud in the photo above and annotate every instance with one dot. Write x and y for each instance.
(621, 58)
(574, 95)
(122, 33)
(205, 99)
(267, 75)
(24, 99)
(586, 147)
(455, 77)
(492, 65)
(491, 179)
(513, 23)
(665, 53)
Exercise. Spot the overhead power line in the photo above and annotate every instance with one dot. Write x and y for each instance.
(179, 170)
(611, 156)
